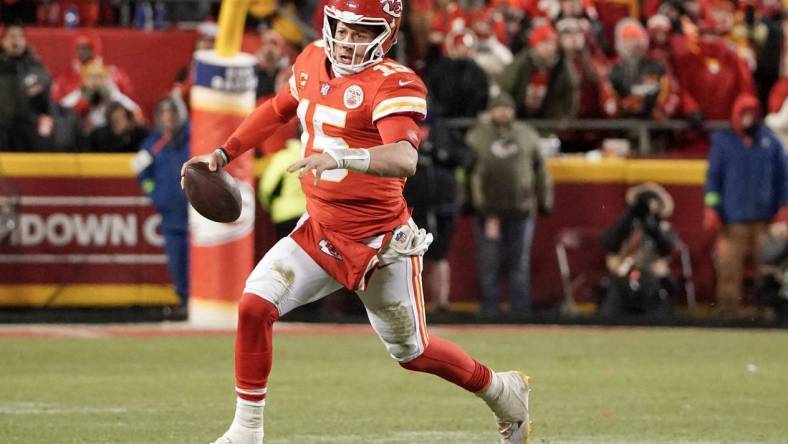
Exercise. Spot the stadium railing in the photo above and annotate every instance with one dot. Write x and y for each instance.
(643, 129)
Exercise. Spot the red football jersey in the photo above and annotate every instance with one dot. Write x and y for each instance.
(340, 112)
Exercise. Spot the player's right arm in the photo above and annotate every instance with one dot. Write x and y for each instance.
(257, 126)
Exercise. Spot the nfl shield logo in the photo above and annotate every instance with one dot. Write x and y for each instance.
(324, 88)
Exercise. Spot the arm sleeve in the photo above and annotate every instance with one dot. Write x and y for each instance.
(262, 123)
(395, 128)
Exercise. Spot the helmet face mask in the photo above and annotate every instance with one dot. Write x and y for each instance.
(382, 15)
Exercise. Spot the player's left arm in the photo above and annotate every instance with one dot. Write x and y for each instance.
(395, 157)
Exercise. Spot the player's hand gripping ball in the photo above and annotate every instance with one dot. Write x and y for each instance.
(214, 194)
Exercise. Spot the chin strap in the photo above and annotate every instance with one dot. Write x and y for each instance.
(355, 159)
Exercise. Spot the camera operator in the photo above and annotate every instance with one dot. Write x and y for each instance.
(640, 245)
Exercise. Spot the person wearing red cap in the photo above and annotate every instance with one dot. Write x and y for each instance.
(542, 83)
(87, 48)
(706, 60)
(722, 18)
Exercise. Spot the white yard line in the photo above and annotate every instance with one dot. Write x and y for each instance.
(35, 408)
(443, 437)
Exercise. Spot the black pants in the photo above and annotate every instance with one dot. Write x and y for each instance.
(647, 295)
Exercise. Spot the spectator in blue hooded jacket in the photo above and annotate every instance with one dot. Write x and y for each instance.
(159, 164)
(745, 191)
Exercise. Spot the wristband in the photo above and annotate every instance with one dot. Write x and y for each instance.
(355, 159)
(223, 154)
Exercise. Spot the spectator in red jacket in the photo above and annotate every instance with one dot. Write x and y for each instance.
(87, 49)
(707, 61)
(94, 94)
(541, 81)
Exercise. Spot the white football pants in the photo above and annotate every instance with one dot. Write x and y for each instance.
(288, 278)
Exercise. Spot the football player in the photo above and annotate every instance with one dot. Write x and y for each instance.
(359, 111)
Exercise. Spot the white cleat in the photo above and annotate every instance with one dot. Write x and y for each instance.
(241, 435)
(511, 408)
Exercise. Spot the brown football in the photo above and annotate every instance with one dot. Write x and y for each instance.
(214, 194)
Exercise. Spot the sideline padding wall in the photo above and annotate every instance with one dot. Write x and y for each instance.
(590, 195)
(89, 237)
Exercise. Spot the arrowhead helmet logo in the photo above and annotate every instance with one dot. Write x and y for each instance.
(392, 7)
(328, 248)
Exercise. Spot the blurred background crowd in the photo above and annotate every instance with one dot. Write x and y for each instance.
(510, 82)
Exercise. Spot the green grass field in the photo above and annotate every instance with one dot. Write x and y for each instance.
(589, 386)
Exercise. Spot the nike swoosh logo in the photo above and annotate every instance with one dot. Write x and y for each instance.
(401, 83)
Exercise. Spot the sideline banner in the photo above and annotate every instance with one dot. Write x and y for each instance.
(86, 235)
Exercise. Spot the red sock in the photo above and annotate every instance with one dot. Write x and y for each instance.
(446, 359)
(254, 346)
